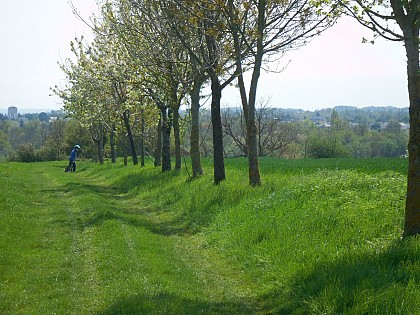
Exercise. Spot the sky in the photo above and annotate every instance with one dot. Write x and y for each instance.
(334, 69)
(34, 36)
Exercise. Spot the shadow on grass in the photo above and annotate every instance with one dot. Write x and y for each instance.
(168, 227)
(153, 200)
(111, 199)
(370, 283)
(170, 197)
(145, 180)
(81, 189)
(164, 303)
(165, 204)
(106, 192)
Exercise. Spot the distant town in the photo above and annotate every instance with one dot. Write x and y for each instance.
(377, 117)
(14, 114)
(370, 114)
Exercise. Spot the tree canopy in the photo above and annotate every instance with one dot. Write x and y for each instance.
(150, 57)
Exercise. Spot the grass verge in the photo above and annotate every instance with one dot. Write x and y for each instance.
(318, 237)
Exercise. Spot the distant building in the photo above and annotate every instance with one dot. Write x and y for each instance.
(319, 120)
(12, 113)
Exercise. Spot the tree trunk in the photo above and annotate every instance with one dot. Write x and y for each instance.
(97, 135)
(412, 209)
(112, 144)
(166, 140)
(216, 120)
(125, 158)
(101, 145)
(238, 59)
(195, 129)
(241, 84)
(126, 118)
(177, 139)
(142, 138)
(251, 131)
(158, 150)
(253, 167)
(99, 150)
(216, 95)
(248, 105)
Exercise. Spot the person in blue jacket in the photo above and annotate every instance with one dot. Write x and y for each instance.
(72, 159)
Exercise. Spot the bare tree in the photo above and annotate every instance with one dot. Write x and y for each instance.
(234, 128)
(273, 134)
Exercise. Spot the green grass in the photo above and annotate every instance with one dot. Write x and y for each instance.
(319, 237)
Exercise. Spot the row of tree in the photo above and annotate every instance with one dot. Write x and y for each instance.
(149, 57)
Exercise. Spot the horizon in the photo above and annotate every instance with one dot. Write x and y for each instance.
(24, 111)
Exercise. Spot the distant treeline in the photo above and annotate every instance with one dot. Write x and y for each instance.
(285, 133)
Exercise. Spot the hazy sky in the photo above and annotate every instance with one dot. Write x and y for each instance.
(34, 36)
(334, 69)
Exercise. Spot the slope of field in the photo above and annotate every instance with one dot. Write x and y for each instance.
(318, 237)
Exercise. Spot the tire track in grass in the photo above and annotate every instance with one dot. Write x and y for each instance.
(224, 288)
(223, 282)
(101, 241)
(81, 257)
(121, 264)
(43, 274)
(86, 283)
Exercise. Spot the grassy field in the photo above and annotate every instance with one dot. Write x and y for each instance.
(319, 237)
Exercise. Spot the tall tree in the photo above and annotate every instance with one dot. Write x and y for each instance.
(112, 63)
(83, 93)
(155, 50)
(199, 80)
(399, 20)
(199, 26)
(264, 30)
(180, 21)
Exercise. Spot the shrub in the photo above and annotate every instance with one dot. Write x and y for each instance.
(326, 148)
(47, 153)
(25, 153)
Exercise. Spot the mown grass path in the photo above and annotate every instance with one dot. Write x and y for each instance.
(78, 244)
(318, 237)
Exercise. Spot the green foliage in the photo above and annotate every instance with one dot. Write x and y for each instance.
(5, 147)
(75, 133)
(48, 152)
(357, 141)
(26, 153)
(326, 148)
(40, 141)
(318, 237)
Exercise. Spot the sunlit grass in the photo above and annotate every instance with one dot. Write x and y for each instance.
(319, 236)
